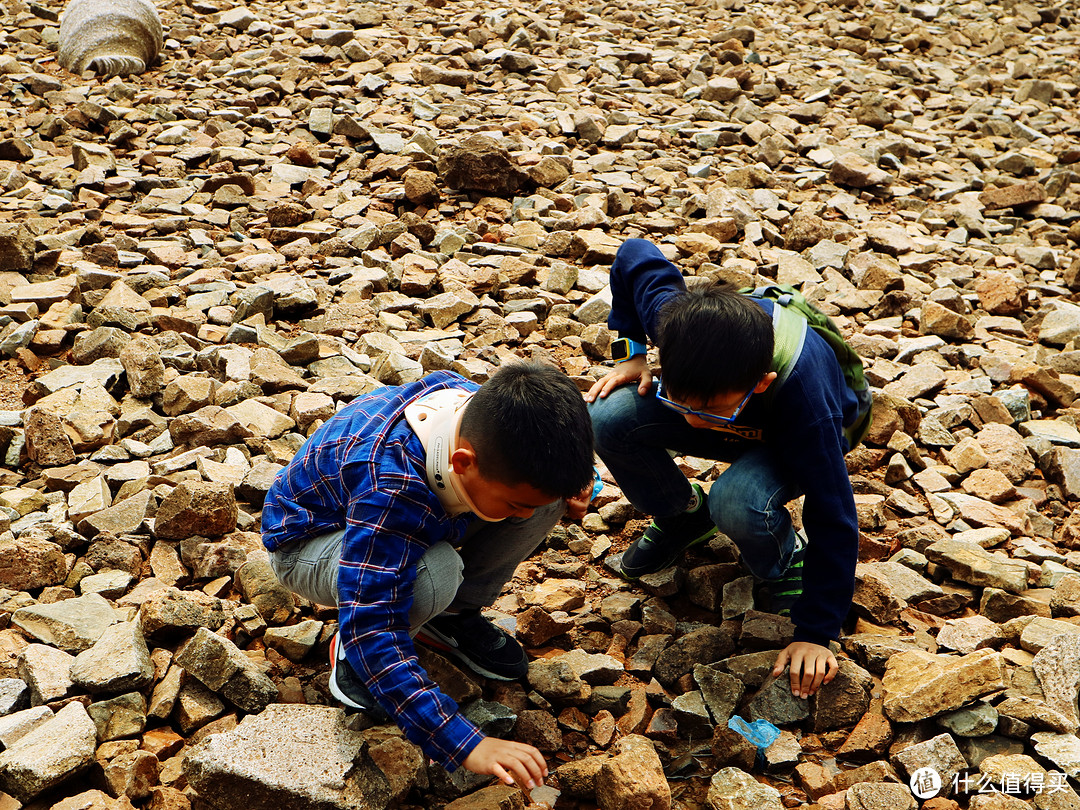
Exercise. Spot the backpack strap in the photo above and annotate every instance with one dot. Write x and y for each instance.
(789, 334)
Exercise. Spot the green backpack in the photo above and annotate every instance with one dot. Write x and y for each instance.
(792, 314)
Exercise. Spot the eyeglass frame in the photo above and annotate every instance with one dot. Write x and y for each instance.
(712, 418)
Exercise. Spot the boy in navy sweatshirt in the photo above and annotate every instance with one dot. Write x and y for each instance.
(716, 356)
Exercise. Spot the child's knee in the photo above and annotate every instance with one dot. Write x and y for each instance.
(734, 515)
(612, 416)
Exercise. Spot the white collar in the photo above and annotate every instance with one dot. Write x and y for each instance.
(436, 420)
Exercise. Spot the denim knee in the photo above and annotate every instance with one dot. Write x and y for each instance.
(613, 417)
(735, 515)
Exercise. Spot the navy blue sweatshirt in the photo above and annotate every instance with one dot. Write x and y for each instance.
(803, 424)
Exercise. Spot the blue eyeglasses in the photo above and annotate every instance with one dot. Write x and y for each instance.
(714, 418)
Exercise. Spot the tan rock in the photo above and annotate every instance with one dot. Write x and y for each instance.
(632, 778)
(919, 685)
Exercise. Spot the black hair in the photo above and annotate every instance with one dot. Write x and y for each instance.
(529, 424)
(712, 340)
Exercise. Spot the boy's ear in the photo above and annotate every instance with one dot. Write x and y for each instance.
(766, 381)
(463, 458)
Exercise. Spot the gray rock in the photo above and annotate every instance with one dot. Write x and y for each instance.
(14, 726)
(557, 682)
(735, 789)
(707, 644)
(170, 612)
(939, 753)
(224, 669)
(595, 668)
(119, 717)
(293, 756)
(775, 702)
(692, 716)
(975, 721)
(262, 588)
(1063, 750)
(294, 641)
(720, 691)
(73, 625)
(117, 40)
(201, 508)
(47, 671)
(54, 752)
(119, 661)
(974, 565)
(493, 719)
(1057, 666)
(880, 796)
(843, 701)
(14, 695)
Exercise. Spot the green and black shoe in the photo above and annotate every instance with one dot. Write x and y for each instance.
(785, 591)
(667, 538)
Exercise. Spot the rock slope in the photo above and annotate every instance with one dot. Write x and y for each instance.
(304, 201)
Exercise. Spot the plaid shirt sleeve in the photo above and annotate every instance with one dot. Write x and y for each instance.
(387, 518)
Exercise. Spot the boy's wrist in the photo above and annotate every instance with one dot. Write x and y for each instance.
(625, 349)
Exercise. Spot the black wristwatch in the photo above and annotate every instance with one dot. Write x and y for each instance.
(626, 348)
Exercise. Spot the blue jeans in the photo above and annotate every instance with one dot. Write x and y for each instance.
(747, 502)
(471, 576)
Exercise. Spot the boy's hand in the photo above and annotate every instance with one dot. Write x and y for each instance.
(812, 666)
(509, 761)
(636, 368)
(577, 506)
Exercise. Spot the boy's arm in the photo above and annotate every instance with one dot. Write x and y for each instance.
(642, 281)
(375, 581)
(832, 531)
(807, 434)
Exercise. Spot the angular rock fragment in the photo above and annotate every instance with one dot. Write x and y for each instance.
(223, 668)
(302, 756)
(919, 685)
(56, 751)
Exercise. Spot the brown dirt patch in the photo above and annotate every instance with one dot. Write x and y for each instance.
(13, 382)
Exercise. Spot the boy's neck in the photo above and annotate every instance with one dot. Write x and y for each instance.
(436, 420)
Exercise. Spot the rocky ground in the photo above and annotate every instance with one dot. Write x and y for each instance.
(304, 201)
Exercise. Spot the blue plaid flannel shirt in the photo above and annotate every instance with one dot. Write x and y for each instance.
(363, 471)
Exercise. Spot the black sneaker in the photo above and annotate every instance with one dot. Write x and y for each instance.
(346, 686)
(475, 641)
(785, 591)
(667, 538)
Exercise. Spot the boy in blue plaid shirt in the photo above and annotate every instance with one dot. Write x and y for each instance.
(409, 510)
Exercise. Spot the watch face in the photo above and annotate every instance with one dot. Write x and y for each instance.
(620, 350)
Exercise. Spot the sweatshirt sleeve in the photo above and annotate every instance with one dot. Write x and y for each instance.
(813, 446)
(642, 281)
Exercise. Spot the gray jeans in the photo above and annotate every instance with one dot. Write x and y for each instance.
(471, 576)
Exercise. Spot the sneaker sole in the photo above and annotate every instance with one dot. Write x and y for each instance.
(340, 696)
(671, 560)
(430, 637)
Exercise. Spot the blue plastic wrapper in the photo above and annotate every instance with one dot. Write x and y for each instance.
(597, 483)
(761, 733)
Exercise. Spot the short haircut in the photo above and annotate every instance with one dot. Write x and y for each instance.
(713, 340)
(529, 425)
